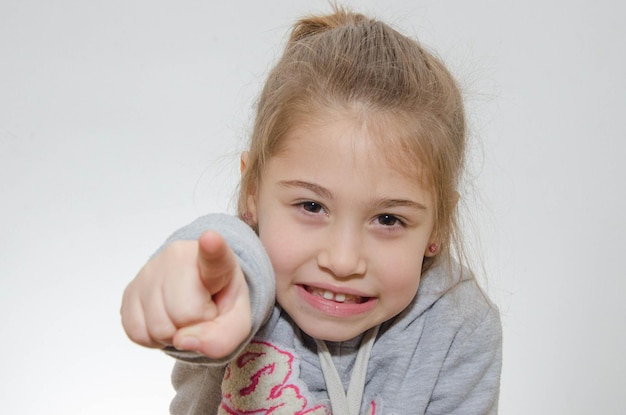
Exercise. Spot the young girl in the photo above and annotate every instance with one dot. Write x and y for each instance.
(335, 290)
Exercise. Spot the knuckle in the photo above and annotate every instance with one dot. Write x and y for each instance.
(189, 313)
(162, 332)
(185, 316)
(137, 333)
(179, 250)
(134, 328)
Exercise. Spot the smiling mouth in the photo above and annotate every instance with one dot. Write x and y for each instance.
(336, 297)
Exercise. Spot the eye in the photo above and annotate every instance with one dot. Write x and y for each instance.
(389, 220)
(311, 207)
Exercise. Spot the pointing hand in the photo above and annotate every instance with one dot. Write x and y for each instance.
(192, 295)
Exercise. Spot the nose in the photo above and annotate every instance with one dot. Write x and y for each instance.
(342, 252)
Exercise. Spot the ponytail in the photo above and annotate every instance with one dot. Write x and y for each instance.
(313, 25)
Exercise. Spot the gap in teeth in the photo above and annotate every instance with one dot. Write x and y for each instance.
(331, 296)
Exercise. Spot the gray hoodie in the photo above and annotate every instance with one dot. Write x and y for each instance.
(441, 355)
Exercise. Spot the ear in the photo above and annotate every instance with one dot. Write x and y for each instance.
(252, 210)
(243, 162)
(431, 249)
(251, 203)
(432, 246)
(456, 196)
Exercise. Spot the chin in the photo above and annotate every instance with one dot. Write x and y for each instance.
(331, 332)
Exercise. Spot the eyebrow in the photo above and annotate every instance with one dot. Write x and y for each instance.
(391, 203)
(324, 192)
(320, 190)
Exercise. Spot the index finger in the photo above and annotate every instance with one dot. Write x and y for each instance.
(216, 262)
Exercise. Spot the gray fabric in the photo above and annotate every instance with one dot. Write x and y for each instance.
(347, 403)
(441, 355)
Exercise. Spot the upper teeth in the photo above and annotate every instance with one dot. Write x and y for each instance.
(329, 295)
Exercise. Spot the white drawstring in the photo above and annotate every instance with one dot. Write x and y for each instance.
(341, 403)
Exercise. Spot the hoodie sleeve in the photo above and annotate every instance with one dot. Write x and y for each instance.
(254, 262)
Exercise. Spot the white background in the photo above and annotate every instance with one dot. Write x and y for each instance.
(122, 120)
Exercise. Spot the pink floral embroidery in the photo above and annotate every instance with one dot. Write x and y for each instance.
(261, 381)
(372, 410)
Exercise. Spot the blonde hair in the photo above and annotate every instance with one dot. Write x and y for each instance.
(347, 61)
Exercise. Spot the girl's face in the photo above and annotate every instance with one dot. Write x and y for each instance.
(346, 230)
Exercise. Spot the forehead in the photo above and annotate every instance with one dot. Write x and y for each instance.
(379, 139)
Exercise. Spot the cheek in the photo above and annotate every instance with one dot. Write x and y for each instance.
(284, 255)
(400, 277)
(402, 281)
(282, 245)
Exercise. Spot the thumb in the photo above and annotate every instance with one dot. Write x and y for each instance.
(216, 262)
